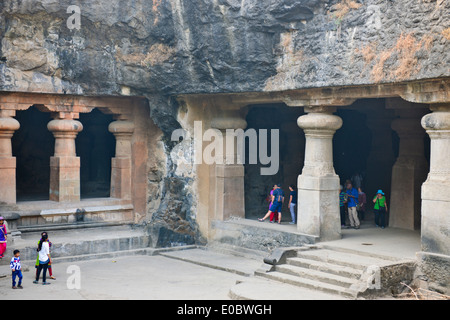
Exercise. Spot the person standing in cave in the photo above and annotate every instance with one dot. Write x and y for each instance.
(342, 204)
(292, 202)
(362, 204)
(352, 201)
(277, 202)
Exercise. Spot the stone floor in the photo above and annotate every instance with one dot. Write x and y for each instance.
(193, 274)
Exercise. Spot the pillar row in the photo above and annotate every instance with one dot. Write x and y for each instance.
(65, 165)
(8, 126)
(121, 163)
(318, 185)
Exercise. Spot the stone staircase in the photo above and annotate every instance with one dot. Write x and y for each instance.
(343, 272)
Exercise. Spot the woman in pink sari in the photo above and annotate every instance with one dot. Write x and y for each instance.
(3, 237)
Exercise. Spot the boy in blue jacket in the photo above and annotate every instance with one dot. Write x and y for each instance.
(16, 269)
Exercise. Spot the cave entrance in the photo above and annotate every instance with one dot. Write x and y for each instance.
(352, 146)
(291, 149)
(33, 145)
(95, 146)
(366, 145)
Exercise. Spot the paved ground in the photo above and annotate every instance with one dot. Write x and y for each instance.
(156, 277)
(135, 277)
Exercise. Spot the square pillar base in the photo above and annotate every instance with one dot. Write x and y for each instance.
(121, 178)
(64, 179)
(8, 180)
(229, 191)
(436, 217)
(318, 212)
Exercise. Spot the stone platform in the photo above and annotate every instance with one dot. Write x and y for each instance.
(256, 235)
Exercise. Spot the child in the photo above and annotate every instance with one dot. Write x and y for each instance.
(16, 270)
(50, 271)
(44, 258)
(3, 237)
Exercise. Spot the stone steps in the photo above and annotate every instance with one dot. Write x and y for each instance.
(337, 271)
(346, 259)
(325, 267)
(308, 283)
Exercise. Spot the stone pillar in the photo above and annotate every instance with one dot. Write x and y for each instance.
(7, 162)
(121, 163)
(318, 185)
(65, 165)
(228, 196)
(435, 230)
(409, 171)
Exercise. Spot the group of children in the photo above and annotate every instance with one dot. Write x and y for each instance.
(43, 261)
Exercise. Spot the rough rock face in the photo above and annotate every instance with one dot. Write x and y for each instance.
(161, 48)
(179, 46)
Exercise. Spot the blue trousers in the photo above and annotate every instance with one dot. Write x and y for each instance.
(17, 273)
(292, 209)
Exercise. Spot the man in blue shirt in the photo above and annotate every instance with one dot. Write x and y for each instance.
(352, 202)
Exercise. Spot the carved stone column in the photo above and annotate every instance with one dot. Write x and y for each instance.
(65, 165)
(227, 180)
(318, 185)
(121, 163)
(435, 230)
(409, 171)
(7, 162)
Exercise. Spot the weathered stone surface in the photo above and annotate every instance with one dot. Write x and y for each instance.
(177, 46)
